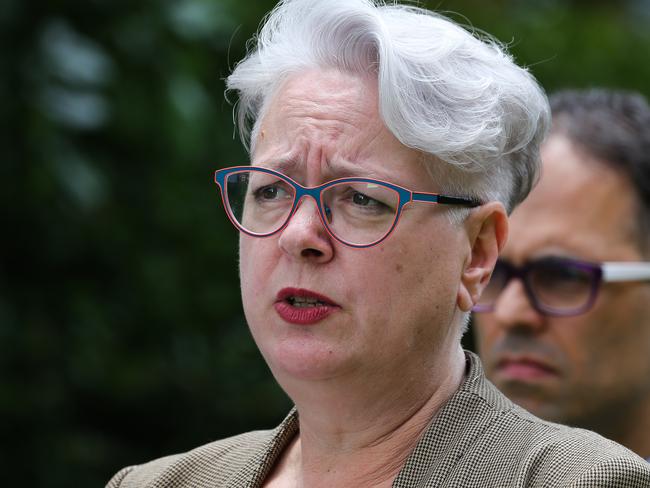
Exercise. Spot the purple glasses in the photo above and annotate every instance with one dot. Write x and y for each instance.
(559, 286)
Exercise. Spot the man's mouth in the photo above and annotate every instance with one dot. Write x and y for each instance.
(524, 369)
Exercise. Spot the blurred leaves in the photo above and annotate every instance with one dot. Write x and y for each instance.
(121, 331)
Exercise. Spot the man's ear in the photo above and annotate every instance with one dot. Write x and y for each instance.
(487, 231)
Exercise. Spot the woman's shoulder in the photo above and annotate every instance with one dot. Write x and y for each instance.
(215, 463)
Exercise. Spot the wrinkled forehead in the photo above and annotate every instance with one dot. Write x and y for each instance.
(331, 120)
(314, 93)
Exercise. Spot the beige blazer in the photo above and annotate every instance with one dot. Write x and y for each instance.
(479, 439)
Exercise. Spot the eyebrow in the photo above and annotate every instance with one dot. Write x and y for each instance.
(282, 165)
(341, 169)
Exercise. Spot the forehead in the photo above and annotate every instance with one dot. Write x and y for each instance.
(328, 122)
(320, 91)
(320, 107)
(580, 207)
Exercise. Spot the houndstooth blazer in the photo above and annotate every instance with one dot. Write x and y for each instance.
(479, 439)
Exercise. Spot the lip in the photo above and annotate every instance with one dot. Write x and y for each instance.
(303, 315)
(525, 369)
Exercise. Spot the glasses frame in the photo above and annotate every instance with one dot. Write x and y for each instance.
(605, 272)
(405, 196)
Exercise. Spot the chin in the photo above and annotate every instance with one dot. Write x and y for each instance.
(305, 360)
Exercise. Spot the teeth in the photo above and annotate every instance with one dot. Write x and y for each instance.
(304, 302)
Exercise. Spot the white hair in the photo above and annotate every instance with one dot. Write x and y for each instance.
(457, 98)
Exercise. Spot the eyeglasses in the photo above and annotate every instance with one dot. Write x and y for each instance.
(558, 286)
(359, 212)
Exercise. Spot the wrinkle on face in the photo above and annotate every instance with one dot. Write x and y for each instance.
(398, 298)
(316, 118)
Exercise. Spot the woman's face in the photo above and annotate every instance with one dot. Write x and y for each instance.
(319, 309)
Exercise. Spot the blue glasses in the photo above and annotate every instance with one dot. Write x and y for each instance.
(358, 212)
(559, 286)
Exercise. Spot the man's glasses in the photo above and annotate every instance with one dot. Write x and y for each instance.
(359, 212)
(558, 286)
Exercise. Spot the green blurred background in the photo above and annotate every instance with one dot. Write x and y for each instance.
(121, 330)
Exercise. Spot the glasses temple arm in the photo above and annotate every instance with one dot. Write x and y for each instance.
(443, 199)
(623, 271)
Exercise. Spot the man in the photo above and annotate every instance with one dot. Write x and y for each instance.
(567, 335)
(386, 145)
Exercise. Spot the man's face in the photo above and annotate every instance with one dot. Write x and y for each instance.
(588, 369)
(385, 311)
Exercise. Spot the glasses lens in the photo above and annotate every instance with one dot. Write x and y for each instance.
(360, 213)
(497, 283)
(561, 285)
(260, 202)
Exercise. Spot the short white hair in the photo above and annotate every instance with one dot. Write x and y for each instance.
(444, 91)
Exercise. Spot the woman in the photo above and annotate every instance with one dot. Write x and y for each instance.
(387, 145)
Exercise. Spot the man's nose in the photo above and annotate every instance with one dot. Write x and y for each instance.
(305, 236)
(513, 308)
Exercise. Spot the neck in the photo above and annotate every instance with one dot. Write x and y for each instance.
(359, 432)
(630, 428)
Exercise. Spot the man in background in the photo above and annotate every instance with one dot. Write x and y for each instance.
(564, 326)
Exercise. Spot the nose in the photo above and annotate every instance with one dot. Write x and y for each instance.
(513, 308)
(305, 236)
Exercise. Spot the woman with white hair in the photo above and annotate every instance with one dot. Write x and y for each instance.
(387, 145)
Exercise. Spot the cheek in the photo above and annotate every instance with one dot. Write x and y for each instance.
(618, 335)
(419, 281)
(573, 340)
(254, 262)
(602, 343)
(244, 266)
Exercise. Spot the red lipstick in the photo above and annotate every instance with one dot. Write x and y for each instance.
(303, 307)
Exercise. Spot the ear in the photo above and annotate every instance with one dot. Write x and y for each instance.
(487, 231)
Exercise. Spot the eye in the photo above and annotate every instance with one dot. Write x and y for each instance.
(554, 272)
(271, 192)
(364, 200)
(268, 192)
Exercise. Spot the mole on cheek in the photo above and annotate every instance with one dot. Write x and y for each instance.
(399, 268)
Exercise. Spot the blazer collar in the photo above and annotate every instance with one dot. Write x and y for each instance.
(475, 405)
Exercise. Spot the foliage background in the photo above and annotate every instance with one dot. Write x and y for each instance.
(121, 332)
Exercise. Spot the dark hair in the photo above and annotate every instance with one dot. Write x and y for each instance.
(614, 127)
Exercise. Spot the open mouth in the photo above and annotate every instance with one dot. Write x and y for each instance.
(304, 302)
(300, 297)
(303, 307)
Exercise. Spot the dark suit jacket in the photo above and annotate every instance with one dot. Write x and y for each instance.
(479, 439)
